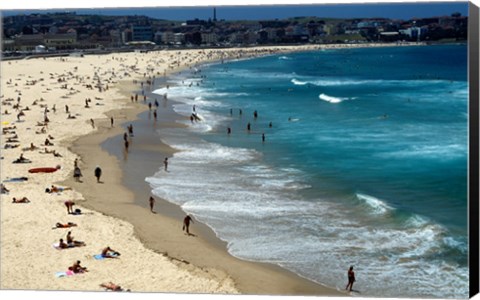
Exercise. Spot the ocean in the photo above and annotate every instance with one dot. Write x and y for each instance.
(363, 163)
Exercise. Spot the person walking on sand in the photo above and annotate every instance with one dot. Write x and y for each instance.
(351, 279)
(186, 224)
(152, 203)
(165, 163)
(111, 121)
(98, 173)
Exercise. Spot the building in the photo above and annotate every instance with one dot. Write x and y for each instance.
(60, 41)
(414, 33)
(168, 37)
(209, 38)
(142, 33)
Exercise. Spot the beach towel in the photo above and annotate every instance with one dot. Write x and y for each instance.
(57, 246)
(16, 179)
(100, 257)
(64, 274)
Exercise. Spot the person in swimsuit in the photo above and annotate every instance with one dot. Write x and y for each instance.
(77, 268)
(69, 204)
(152, 203)
(186, 223)
(351, 279)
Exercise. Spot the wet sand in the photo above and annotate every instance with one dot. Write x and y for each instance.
(162, 231)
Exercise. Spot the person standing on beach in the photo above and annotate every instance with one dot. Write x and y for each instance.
(77, 173)
(98, 173)
(351, 278)
(186, 223)
(111, 121)
(155, 114)
(165, 163)
(152, 203)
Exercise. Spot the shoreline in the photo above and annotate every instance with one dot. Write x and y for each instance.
(27, 263)
(205, 250)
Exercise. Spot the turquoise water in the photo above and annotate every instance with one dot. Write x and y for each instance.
(364, 164)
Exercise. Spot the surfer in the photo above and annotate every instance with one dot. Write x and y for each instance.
(351, 278)
(248, 126)
(263, 137)
(229, 130)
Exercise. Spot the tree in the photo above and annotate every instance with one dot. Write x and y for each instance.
(27, 30)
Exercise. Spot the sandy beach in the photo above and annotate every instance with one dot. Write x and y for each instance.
(83, 105)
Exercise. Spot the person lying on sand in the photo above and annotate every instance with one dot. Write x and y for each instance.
(31, 148)
(12, 140)
(56, 189)
(8, 146)
(77, 268)
(42, 131)
(67, 225)
(109, 253)
(23, 200)
(112, 287)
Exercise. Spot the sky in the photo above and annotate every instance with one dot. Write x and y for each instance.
(404, 11)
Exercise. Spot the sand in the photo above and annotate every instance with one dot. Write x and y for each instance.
(155, 254)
